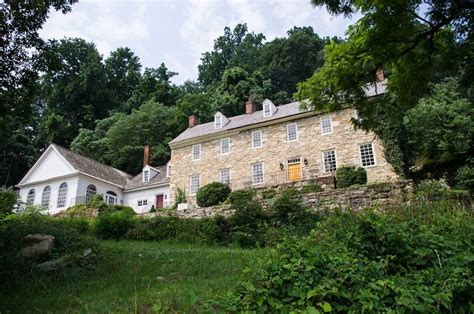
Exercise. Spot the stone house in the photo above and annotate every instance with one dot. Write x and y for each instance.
(274, 145)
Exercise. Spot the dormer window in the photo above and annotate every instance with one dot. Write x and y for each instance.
(218, 121)
(146, 175)
(269, 108)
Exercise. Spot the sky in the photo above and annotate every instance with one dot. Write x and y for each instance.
(178, 32)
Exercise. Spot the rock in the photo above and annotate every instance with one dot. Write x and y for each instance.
(37, 246)
(62, 263)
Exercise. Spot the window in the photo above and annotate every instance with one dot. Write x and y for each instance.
(256, 139)
(367, 156)
(267, 110)
(329, 161)
(142, 202)
(62, 195)
(196, 152)
(326, 125)
(225, 146)
(90, 191)
(257, 173)
(30, 199)
(45, 196)
(168, 170)
(218, 121)
(291, 132)
(111, 198)
(194, 183)
(224, 175)
(146, 175)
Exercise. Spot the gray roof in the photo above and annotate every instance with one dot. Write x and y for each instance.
(92, 167)
(137, 181)
(283, 111)
(239, 121)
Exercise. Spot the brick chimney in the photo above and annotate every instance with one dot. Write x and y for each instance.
(379, 75)
(193, 121)
(250, 106)
(146, 155)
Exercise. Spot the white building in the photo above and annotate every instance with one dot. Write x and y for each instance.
(61, 178)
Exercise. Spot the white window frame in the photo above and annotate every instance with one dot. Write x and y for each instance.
(228, 180)
(253, 173)
(221, 145)
(322, 119)
(30, 197)
(191, 190)
(267, 110)
(168, 170)
(146, 175)
(325, 171)
(218, 118)
(111, 199)
(62, 196)
(260, 136)
(373, 153)
(288, 132)
(46, 196)
(142, 202)
(90, 192)
(193, 157)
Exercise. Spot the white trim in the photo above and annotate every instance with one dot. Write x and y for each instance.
(220, 145)
(217, 115)
(48, 180)
(330, 123)
(323, 163)
(265, 106)
(288, 133)
(373, 152)
(263, 172)
(100, 179)
(145, 187)
(220, 177)
(261, 138)
(192, 152)
(190, 183)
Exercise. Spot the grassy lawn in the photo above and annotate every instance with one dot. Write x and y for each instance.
(137, 277)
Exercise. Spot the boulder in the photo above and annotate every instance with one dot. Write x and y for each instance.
(37, 246)
(65, 261)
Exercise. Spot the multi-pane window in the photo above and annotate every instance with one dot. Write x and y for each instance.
(367, 156)
(256, 139)
(225, 146)
(257, 173)
(146, 175)
(90, 191)
(224, 175)
(45, 196)
(329, 161)
(218, 121)
(267, 110)
(326, 125)
(196, 152)
(111, 198)
(291, 132)
(194, 183)
(30, 199)
(142, 202)
(62, 195)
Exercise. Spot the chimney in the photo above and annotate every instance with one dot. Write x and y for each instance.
(250, 106)
(146, 155)
(379, 75)
(193, 121)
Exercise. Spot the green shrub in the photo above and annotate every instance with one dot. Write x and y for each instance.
(465, 176)
(288, 206)
(311, 188)
(269, 193)
(8, 199)
(179, 197)
(350, 175)
(152, 209)
(240, 197)
(114, 224)
(115, 208)
(212, 194)
(413, 259)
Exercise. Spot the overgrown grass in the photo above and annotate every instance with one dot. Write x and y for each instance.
(135, 276)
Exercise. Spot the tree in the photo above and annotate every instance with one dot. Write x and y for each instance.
(236, 48)
(122, 69)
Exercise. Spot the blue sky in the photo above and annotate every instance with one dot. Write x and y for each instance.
(178, 32)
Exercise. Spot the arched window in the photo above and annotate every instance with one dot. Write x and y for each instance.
(45, 196)
(62, 195)
(111, 198)
(91, 191)
(30, 199)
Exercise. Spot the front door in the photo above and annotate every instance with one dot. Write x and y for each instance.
(159, 201)
(294, 169)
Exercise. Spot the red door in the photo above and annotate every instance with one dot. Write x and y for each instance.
(159, 201)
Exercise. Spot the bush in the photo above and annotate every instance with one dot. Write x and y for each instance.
(179, 197)
(288, 206)
(114, 224)
(350, 175)
(212, 194)
(241, 197)
(8, 199)
(311, 188)
(465, 176)
(268, 193)
(406, 260)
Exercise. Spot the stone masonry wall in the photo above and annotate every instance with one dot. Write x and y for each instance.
(276, 149)
(357, 198)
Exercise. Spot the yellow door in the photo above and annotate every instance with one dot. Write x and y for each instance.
(294, 172)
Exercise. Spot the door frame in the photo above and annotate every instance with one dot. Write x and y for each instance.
(162, 199)
(294, 163)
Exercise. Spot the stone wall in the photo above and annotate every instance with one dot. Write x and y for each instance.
(277, 150)
(357, 198)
